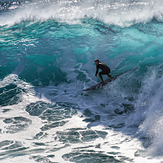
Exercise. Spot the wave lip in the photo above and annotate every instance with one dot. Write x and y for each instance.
(118, 13)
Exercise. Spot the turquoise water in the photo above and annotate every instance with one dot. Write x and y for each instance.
(47, 52)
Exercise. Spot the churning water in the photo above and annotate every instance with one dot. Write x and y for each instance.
(47, 52)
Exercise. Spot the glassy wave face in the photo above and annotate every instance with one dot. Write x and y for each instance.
(47, 52)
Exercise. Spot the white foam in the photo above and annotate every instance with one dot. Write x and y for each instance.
(126, 145)
(148, 114)
(123, 13)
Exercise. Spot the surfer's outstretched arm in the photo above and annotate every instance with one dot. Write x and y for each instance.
(96, 71)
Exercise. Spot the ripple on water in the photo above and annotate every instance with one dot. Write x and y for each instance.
(79, 135)
(16, 124)
(10, 148)
(53, 115)
(92, 156)
(10, 95)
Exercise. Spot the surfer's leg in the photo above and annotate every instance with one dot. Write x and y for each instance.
(110, 76)
(101, 78)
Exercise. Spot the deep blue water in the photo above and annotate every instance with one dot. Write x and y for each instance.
(47, 52)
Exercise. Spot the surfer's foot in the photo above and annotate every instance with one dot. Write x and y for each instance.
(102, 82)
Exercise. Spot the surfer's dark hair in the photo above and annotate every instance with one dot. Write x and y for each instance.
(97, 60)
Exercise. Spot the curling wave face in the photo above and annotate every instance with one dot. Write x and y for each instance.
(47, 49)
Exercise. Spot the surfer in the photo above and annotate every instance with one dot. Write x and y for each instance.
(105, 70)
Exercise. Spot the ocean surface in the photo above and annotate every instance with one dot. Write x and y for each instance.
(47, 52)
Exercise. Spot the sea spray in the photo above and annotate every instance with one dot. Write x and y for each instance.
(47, 52)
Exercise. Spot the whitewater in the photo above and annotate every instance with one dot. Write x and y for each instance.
(47, 52)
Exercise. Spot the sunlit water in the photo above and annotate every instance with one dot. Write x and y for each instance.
(47, 52)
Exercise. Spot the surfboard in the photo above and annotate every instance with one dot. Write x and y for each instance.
(105, 82)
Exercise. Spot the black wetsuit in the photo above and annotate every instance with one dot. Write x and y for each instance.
(105, 69)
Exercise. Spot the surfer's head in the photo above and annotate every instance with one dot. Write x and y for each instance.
(96, 61)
